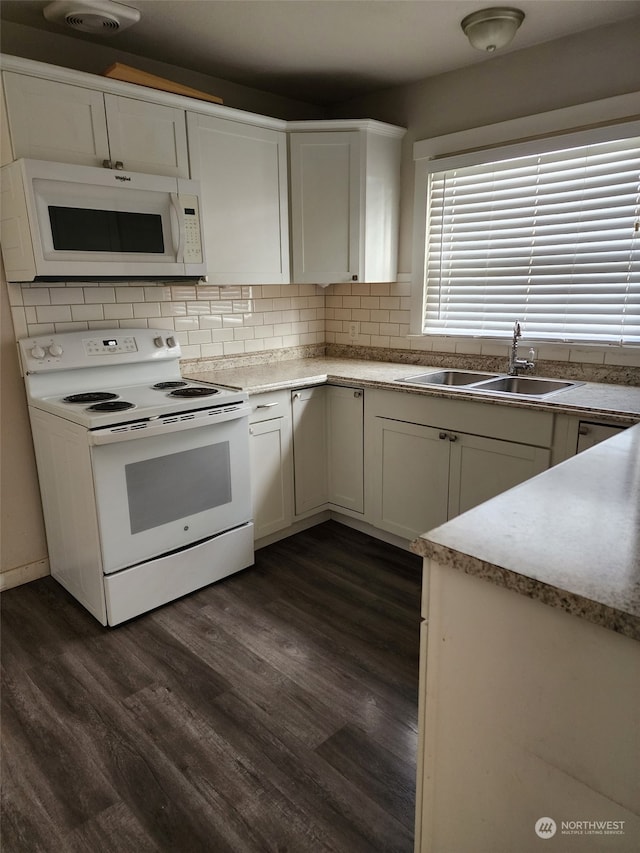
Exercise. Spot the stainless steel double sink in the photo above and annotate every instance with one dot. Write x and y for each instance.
(494, 383)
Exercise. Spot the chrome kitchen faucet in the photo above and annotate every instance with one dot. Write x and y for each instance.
(517, 364)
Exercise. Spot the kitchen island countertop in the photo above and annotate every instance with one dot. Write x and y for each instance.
(569, 537)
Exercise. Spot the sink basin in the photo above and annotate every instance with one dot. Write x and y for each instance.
(448, 377)
(523, 385)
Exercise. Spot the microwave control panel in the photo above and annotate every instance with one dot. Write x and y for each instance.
(192, 242)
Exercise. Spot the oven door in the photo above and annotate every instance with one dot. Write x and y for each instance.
(159, 492)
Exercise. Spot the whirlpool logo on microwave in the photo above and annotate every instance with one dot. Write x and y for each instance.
(122, 178)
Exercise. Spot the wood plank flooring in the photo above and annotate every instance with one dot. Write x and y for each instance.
(273, 711)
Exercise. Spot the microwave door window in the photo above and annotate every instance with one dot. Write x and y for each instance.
(75, 229)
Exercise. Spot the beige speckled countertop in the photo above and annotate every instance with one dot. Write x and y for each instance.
(569, 537)
(615, 402)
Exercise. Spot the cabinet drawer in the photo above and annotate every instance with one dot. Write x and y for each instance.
(270, 404)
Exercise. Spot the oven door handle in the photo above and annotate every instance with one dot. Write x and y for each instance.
(169, 423)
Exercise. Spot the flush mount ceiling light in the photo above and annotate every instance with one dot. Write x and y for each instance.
(491, 29)
(100, 17)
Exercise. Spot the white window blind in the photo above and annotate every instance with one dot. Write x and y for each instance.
(550, 239)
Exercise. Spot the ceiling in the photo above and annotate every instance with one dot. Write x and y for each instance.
(323, 51)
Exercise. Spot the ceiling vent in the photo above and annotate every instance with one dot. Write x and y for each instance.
(99, 17)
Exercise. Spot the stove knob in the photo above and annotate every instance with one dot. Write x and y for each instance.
(55, 350)
(37, 351)
(158, 342)
(171, 342)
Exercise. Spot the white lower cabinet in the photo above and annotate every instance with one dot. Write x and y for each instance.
(419, 475)
(481, 468)
(328, 449)
(409, 478)
(306, 455)
(309, 414)
(591, 433)
(311, 447)
(345, 447)
(511, 728)
(271, 456)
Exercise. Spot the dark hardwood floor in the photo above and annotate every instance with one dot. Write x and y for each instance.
(273, 711)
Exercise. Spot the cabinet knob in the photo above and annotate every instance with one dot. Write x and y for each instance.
(119, 164)
(296, 396)
(354, 278)
(583, 430)
(357, 394)
(453, 437)
(442, 435)
(107, 164)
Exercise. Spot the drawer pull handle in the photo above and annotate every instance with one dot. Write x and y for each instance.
(266, 405)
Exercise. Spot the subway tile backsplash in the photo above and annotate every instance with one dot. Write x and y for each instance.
(210, 321)
(216, 321)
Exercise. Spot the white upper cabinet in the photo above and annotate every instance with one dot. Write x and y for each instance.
(150, 138)
(50, 120)
(345, 191)
(242, 171)
(56, 121)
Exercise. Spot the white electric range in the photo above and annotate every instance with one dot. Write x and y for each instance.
(144, 476)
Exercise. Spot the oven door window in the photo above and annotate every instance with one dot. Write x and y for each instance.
(161, 493)
(197, 480)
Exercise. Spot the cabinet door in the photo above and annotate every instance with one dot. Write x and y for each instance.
(271, 475)
(325, 206)
(56, 121)
(409, 482)
(243, 175)
(590, 434)
(149, 138)
(345, 465)
(309, 449)
(482, 468)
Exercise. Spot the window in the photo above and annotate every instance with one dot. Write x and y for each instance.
(550, 238)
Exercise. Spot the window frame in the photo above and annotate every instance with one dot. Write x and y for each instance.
(592, 122)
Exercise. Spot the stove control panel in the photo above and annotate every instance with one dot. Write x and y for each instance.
(96, 348)
(109, 345)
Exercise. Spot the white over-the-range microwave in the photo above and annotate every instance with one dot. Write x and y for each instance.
(61, 222)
